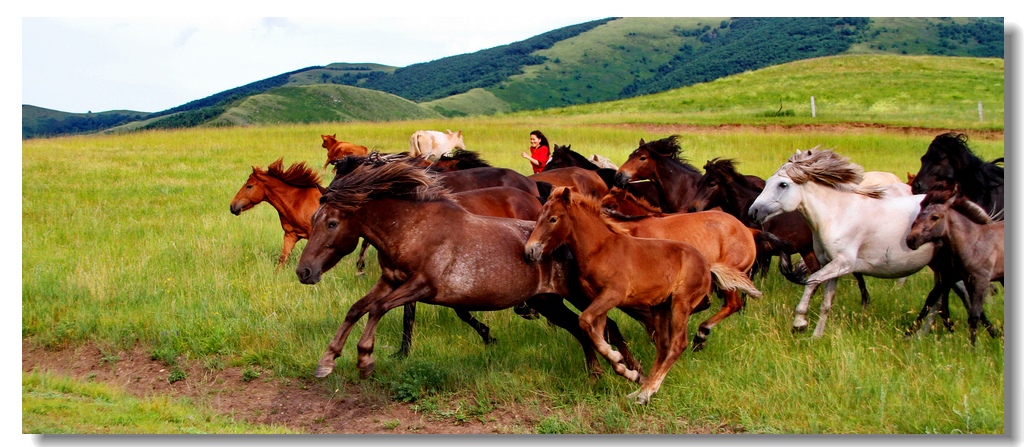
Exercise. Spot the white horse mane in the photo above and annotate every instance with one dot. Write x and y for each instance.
(830, 169)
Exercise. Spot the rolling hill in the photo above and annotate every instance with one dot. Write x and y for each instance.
(603, 60)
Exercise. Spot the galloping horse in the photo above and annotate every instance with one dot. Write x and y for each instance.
(850, 235)
(675, 180)
(670, 278)
(950, 161)
(581, 180)
(475, 263)
(976, 244)
(719, 237)
(339, 149)
(457, 160)
(295, 194)
(485, 177)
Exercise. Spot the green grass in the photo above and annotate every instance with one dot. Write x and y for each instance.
(128, 240)
(59, 405)
(315, 103)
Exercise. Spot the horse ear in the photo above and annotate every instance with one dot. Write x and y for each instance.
(564, 195)
(642, 142)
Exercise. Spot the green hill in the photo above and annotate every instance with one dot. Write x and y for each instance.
(593, 62)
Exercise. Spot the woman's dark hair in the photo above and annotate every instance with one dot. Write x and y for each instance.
(543, 139)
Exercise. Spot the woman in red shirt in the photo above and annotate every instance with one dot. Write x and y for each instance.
(539, 152)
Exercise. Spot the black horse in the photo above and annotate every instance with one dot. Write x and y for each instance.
(949, 161)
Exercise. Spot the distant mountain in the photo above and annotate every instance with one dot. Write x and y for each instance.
(596, 61)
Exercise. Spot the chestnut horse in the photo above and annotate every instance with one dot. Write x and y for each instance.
(339, 149)
(581, 180)
(475, 263)
(671, 279)
(719, 237)
(974, 241)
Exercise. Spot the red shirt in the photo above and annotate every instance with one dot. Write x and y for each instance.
(540, 154)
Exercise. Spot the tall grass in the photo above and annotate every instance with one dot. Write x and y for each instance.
(128, 240)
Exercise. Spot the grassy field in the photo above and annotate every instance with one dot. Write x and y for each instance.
(128, 240)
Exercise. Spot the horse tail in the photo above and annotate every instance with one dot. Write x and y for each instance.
(768, 245)
(728, 277)
(797, 275)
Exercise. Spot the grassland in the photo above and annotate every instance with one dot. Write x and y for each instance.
(127, 240)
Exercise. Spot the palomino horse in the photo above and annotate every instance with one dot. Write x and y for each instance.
(475, 263)
(339, 149)
(670, 278)
(719, 237)
(976, 244)
(949, 161)
(856, 229)
(674, 179)
(294, 193)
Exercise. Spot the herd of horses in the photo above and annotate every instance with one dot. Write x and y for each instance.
(655, 238)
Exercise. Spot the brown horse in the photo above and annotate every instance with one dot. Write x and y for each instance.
(674, 179)
(670, 278)
(581, 180)
(974, 241)
(339, 149)
(459, 159)
(485, 177)
(719, 237)
(473, 263)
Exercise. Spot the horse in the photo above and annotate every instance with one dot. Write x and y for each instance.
(582, 180)
(670, 278)
(431, 144)
(565, 157)
(476, 263)
(457, 160)
(338, 149)
(719, 237)
(659, 161)
(484, 177)
(950, 161)
(850, 235)
(974, 240)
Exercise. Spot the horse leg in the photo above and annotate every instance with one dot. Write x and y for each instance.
(674, 343)
(361, 260)
(554, 309)
(360, 307)
(828, 293)
(978, 289)
(733, 302)
(834, 269)
(408, 321)
(939, 290)
(592, 321)
(865, 299)
(411, 291)
(289, 243)
(961, 292)
(612, 333)
(477, 325)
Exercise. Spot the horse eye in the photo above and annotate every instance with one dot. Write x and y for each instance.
(643, 158)
(332, 225)
(248, 186)
(783, 185)
(935, 217)
(553, 220)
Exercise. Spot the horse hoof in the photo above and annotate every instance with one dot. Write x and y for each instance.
(360, 273)
(322, 371)
(366, 371)
(799, 329)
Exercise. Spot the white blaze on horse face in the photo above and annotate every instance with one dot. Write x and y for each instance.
(780, 195)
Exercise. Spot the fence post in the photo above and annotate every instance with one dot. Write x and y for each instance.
(814, 111)
(981, 114)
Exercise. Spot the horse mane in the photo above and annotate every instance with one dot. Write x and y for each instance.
(577, 158)
(363, 179)
(970, 170)
(724, 168)
(622, 195)
(669, 148)
(830, 169)
(944, 195)
(465, 159)
(297, 175)
(591, 205)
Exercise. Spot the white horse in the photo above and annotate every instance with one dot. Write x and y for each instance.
(855, 228)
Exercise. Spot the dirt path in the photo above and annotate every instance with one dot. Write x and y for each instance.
(988, 135)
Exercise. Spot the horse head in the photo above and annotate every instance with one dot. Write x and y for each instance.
(250, 194)
(552, 228)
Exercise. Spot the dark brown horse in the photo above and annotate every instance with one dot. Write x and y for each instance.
(719, 237)
(950, 162)
(674, 179)
(485, 177)
(339, 149)
(670, 278)
(458, 160)
(974, 243)
(432, 251)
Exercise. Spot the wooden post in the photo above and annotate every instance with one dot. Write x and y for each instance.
(981, 114)
(814, 112)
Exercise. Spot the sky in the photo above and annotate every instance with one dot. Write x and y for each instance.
(113, 55)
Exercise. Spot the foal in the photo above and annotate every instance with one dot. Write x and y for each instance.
(669, 278)
(976, 243)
